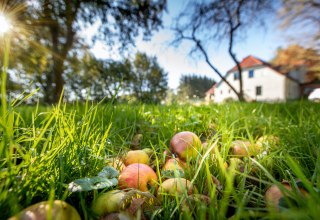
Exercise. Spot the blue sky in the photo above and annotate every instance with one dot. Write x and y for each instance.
(259, 42)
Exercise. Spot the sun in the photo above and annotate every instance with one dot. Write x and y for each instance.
(5, 25)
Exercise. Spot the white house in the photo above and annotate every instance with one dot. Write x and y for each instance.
(261, 82)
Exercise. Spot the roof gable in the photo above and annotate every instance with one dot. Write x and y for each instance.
(248, 62)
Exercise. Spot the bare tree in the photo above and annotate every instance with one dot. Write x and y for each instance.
(216, 20)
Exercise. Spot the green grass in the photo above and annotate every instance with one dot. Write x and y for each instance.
(45, 148)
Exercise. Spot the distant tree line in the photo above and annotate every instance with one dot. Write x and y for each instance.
(194, 86)
(139, 79)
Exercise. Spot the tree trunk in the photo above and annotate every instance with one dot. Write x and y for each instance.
(58, 79)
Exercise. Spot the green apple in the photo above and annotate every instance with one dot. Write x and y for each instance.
(108, 202)
(136, 156)
(149, 151)
(175, 187)
(138, 176)
(59, 210)
(186, 145)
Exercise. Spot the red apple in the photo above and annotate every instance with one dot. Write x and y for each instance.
(138, 176)
(185, 145)
(136, 156)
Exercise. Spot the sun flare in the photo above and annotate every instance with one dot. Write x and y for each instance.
(5, 25)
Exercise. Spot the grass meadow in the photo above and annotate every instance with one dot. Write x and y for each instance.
(43, 149)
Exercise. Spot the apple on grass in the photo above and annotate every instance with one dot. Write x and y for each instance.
(108, 202)
(274, 194)
(175, 187)
(185, 145)
(174, 164)
(59, 210)
(136, 156)
(267, 141)
(244, 148)
(138, 176)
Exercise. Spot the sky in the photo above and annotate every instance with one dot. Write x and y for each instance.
(259, 42)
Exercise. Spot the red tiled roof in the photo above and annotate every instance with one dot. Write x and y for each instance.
(247, 62)
(211, 90)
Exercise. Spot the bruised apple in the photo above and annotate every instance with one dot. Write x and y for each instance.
(108, 202)
(274, 194)
(138, 176)
(59, 210)
(185, 145)
(175, 187)
(136, 156)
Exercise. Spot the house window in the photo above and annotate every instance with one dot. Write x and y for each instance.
(236, 76)
(259, 90)
(221, 92)
(251, 73)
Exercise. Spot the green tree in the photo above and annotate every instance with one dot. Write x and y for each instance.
(194, 86)
(96, 78)
(52, 26)
(150, 81)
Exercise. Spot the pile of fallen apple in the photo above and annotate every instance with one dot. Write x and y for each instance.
(140, 190)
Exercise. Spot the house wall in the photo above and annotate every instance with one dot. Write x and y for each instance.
(292, 90)
(274, 86)
(299, 74)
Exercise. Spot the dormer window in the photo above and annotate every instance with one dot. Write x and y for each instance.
(251, 73)
(236, 76)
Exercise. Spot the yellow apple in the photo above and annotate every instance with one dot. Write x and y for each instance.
(174, 164)
(244, 149)
(108, 202)
(59, 210)
(267, 141)
(175, 187)
(138, 176)
(185, 145)
(136, 156)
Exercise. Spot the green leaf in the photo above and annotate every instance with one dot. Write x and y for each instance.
(108, 172)
(106, 178)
